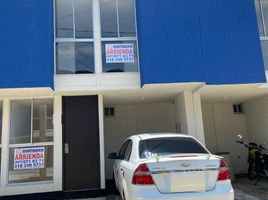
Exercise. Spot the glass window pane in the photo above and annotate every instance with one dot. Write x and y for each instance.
(265, 13)
(26, 166)
(64, 19)
(108, 18)
(128, 151)
(20, 122)
(264, 45)
(0, 159)
(127, 20)
(119, 61)
(42, 120)
(65, 58)
(1, 117)
(169, 146)
(259, 17)
(122, 151)
(84, 58)
(83, 19)
(75, 58)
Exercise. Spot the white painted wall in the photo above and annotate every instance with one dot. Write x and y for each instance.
(97, 82)
(257, 120)
(188, 111)
(180, 112)
(135, 119)
(221, 126)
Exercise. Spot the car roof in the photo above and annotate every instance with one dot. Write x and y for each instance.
(146, 136)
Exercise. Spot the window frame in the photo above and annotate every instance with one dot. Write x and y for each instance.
(130, 143)
(263, 38)
(96, 40)
(123, 39)
(1, 125)
(70, 40)
(31, 144)
(122, 148)
(119, 37)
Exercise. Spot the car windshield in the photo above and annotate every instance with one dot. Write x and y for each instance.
(168, 146)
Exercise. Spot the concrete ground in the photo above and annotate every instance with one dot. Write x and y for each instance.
(244, 190)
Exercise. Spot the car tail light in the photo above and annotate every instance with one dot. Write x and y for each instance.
(142, 176)
(224, 171)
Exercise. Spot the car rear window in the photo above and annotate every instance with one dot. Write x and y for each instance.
(169, 146)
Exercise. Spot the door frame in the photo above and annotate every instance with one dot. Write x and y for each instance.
(101, 140)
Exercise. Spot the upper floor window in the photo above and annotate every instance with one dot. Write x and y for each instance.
(262, 17)
(75, 43)
(74, 19)
(118, 18)
(118, 31)
(74, 37)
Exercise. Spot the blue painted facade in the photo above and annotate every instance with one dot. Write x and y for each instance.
(211, 41)
(26, 44)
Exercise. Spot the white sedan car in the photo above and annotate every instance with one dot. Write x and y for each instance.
(170, 167)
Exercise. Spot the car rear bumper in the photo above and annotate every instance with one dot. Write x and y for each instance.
(222, 191)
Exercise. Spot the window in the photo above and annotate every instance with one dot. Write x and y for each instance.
(128, 151)
(262, 17)
(121, 154)
(118, 31)
(169, 146)
(74, 37)
(117, 41)
(1, 117)
(109, 112)
(118, 18)
(75, 57)
(264, 45)
(31, 141)
(238, 108)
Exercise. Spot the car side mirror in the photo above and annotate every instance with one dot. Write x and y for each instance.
(112, 156)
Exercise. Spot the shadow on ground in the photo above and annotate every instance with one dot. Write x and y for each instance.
(246, 190)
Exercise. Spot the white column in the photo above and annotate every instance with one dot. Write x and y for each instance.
(57, 162)
(101, 137)
(97, 36)
(200, 134)
(188, 112)
(5, 143)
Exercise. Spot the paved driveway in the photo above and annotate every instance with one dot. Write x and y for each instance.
(244, 190)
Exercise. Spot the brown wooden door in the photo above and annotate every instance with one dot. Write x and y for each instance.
(81, 151)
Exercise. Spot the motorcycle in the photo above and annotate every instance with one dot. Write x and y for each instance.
(257, 159)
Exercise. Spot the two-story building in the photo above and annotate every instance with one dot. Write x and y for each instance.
(77, 77)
